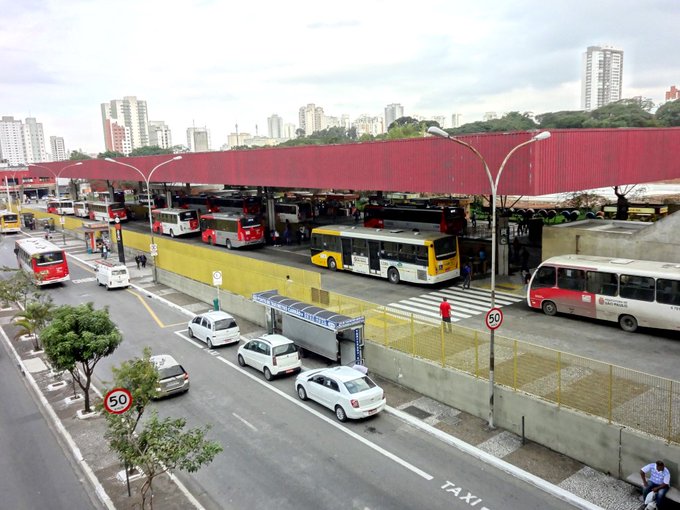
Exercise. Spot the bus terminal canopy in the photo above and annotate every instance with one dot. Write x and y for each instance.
(313, 314)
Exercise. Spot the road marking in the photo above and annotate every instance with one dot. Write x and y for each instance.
(245, 422)
(148, 308)
(84, 280)
(332, 423)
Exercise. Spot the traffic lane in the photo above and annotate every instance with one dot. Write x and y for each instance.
(645, 350)
(273, 432)
(36, 471)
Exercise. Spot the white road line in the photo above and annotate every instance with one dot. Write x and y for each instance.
(332, 423)
(461, 306)
(245, 422)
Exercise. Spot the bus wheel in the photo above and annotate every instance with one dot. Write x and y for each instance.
(628, 323)
(549, 308)
(228, 245)
(332, 265)
(172, 233)
(393, 275)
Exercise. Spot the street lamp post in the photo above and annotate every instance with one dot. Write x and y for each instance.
(433, 130)
(147, 180)
(56, 175)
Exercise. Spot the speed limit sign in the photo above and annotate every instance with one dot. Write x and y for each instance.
(118, 400)
(494, 318)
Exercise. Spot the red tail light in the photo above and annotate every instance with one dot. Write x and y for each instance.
(186, 376)
(355, 403)
(274, 361)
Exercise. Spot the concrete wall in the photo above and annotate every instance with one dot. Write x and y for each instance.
(654, 241)
(611, 448)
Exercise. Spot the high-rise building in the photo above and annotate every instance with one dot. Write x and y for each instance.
(198, 139)
(237, 139)
(126, 124)
(275, 126)
(34, 141)
(602, 76)
(367, 125)
(12, 147)
(441, 120)
(393, 112)
(456, 119)
(289, 131)
(312, 119)
(159, 134)
(58, 148)
(673, 93)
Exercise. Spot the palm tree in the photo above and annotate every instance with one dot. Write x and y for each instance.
(33, 319)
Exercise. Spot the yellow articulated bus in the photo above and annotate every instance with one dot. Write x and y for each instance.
(9, 222)
(398, 255)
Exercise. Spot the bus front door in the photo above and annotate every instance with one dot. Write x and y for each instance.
(374, 257)
(346, 252)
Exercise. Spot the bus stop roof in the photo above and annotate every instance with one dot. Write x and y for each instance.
(320, 316)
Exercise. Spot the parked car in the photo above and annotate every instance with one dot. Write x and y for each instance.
(214, 328)
(345, 390)
(172, 378)
(271, 354)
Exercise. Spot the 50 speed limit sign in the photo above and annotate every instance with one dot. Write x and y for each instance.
(494, 318)
(118, 400)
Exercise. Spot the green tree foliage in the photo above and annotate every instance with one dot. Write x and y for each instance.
(77, 338)
(78, 155)
(583, 200)
(33, 319)
(160, 445)
(563, 120)
(152, 150)
(110, 154)
(668, 114)
(18, 288)
(624, 113)
(513, 121)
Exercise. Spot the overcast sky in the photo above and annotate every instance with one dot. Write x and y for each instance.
(219, 63)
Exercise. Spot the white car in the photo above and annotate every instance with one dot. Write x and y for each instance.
(271, 354)
(347, 391)
(214, 328)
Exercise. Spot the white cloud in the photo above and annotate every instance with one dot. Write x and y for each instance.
(216, 63)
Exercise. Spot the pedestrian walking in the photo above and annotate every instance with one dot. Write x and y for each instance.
(474, 219)
(138, 261)
(467, 275)
(105, 251)
(142, 259)
(445, 312)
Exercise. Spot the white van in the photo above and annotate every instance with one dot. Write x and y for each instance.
(111, 275)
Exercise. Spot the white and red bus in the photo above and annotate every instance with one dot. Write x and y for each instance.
(231, 230)
(631, 292)
(175, 222)
(60, 207)
(447, 220)
(44, 261)
(106, 211)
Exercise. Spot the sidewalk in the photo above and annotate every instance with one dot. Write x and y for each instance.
(86, 443)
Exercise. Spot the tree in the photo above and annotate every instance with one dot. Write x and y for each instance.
(583, 200)
(623, 113)
(110, 154)
(152, 150)
(668, 114)
(161, 445)
(33, 319)
(17, 288)
(78, 155)
(77, 338)
(623, 196)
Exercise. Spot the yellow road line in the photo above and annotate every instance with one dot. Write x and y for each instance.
(148, 308)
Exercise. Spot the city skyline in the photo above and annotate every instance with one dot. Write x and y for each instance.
(447, 58)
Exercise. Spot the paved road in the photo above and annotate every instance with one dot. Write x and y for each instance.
(35, 472)
(289, 454)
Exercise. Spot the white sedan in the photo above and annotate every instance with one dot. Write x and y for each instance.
(347, 391)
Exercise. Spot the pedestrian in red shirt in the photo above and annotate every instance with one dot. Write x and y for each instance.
(445, 311)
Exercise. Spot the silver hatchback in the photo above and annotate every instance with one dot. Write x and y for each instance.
(172, 378)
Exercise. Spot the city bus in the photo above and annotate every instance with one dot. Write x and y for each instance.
(43, 261)
(293, 212)
(236, 204)
(447, 220)
(231, 230)
(106, 211)
(631, 292)
(398, 255)
(9, 222)
(81, 210)
(175, 222)
(60, 207)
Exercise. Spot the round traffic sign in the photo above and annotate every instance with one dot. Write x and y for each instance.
(118, 400)
(494, 318)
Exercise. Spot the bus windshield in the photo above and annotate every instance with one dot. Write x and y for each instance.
(188, 215)
(250, 221)
(52, 257)
(445, 247)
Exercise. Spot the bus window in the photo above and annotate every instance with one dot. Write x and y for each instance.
(668, 291)
(545, 277)
(571, 279)
(637, 287)
(360, 247)
(599, 282)
(445, 248)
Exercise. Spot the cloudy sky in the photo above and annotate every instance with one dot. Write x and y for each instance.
(217, 63)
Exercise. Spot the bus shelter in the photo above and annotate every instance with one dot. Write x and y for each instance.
(95, 233)
(324, 332)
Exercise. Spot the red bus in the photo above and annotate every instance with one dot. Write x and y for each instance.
(44, 261)
(447, 220)
(231, 230)
(236, 204)
(106, 211)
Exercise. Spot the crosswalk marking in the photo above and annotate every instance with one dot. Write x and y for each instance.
(465, 303)
(84, 280)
